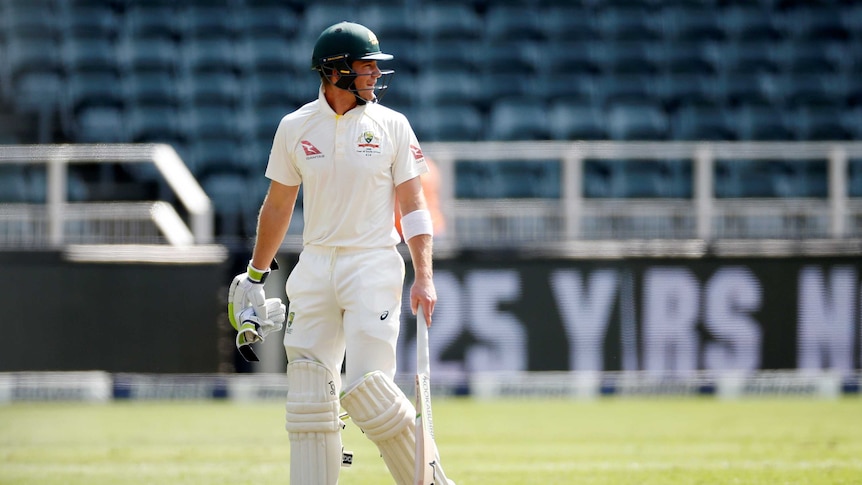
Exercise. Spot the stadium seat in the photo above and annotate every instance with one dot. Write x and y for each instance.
(695, 122)
(13, 184)
(742, 57)
(477, 180)
(852, 20)
(574, 120)
(735, 88)
(265, 53)
(31, 55)
(153, 123)
(211, 155)
(493, 88)
(229, 195)
(266, 89)
(402, 94)
(406, 57)
(449, 122)
(854, 178)
(637, 121)
(678, 89)
(814, 21)
(615, 88)
(213, 87)
(572, 56)
(449, 21)
(563, 86)
(86, 88)
(628, 21)
(770, 178)
(210, 54)
(198, 21)
(35, 19)
(152, 19)
(208, 121)
(851, 120)
(277, 20)
(760, 122)
(518, 118)
(627, 57)
(508, 22)
(654, 178)
(814, 123)
(446, 54)
(690, 21)
(602, 179)
(90, 54)
(749, 21)
(389, 21)
(807, 89)
(448, 86)
(517, 57)
(811, 56)
(568, 21)
(148, 54)
(100, 124)
(530, 180)
(680, 57)
(320, 15)
(37, 92)
(151, 87)
(96, 20)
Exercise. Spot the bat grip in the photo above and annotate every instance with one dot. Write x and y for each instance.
(423, 364)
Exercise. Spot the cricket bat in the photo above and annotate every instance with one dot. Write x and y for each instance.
(428, 469)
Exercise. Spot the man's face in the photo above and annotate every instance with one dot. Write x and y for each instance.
(367, 74)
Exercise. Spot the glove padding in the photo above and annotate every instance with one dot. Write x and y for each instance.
(253, 329)
(245, 292)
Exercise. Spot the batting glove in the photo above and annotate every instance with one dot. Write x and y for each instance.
(253, 329)
(246, 292)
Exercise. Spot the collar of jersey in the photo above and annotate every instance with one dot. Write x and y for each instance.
(326, 109)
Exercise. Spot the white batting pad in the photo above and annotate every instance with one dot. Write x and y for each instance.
(313, 424)
(387, 417)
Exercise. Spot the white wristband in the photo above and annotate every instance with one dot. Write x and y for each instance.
(416, 223)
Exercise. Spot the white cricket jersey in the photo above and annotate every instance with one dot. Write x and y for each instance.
(348, 166)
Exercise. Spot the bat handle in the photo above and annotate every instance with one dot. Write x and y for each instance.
(423, 364)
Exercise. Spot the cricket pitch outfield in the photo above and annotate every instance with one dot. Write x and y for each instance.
(660, 441)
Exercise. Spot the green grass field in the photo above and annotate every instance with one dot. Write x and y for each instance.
(615, 441)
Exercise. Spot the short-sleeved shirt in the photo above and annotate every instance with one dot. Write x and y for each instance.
(349, 166)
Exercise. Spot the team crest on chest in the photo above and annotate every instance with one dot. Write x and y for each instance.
(368, 143)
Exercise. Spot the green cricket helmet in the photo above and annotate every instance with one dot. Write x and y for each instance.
(341, 44)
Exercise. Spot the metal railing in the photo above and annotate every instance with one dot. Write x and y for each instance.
(58, 222)
(574, 217)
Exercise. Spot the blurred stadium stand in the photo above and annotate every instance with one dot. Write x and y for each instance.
(212, 78)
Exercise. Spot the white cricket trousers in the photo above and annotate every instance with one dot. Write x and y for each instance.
(345, 299)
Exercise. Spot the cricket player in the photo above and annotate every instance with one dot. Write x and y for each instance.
(352, 156)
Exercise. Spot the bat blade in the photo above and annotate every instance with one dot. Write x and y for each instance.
(426, 459)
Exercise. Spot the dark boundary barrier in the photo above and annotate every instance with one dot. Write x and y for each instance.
(117, 317)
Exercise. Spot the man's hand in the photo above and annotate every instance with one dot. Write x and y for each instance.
(246, 290)
(253, 329)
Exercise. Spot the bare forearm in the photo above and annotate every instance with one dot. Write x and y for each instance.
(271, 227)
(421, 251)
